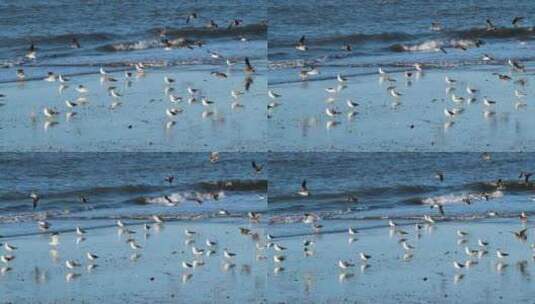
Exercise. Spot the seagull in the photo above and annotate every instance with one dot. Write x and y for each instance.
(227, 254)
(80, 231)
(75, 44)
(351, 103)
(449, 80)
(192, 91)
(189, 233)
(205, 102)
(82, 89)
(458, 265)
(516, 20)
(50, 77)
(392, 224)
(395, 93)
(365, 257)
(248, 67)
(71, 264)
(236, 94)
(520, 94)
(191, 16)
(522, 234)
(456, 98)
(197, 251)
(43, 225)
(157, 219)
(103, 72)
(133, 244)
(91, 257)
(352, 231)
(175, 98)
(50, 113)
(490, 26)
(279, 258)
(482, 243)
(20, 74)
(210, 243)
(487, 57)
(7, 258)
(470, 252)
(449, 113)
(71, 104)
(214, 157)
(31, 52)
(500, 254)
(462, 234)
(516, 65)
(345, 264)
(63, 79)
(256, 167)
(340, 78)
(8, 247)
(35, 199)
(186, 265)
(168, 80)
(406, 246)
(278, 247)
(470, 90)
(332, 112)
(172, 112)
(526, 176)
(301, 46)
(273, 95)
(303, 191)
(488, 102)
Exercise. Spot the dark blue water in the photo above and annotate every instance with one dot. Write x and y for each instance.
(400, 184)
(117, 33)
(396, 34)
(128, 185)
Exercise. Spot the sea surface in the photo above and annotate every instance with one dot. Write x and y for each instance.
(395, 35)
(402, 186)
(128, 186)
(115, 34)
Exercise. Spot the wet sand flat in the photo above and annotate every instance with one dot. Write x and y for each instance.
(137, 120)
(393, 275)
(150, 274)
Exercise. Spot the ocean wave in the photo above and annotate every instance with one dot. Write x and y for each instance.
(64, 39)
(176, 198)
(255, 30)
(347, 39)
(208, 186)
(436, 45)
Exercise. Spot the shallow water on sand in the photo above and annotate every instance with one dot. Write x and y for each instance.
(137, 120)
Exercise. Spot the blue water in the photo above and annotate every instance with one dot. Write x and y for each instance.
(395, 34)
(400, 185)
(128, 185)
(115, 34)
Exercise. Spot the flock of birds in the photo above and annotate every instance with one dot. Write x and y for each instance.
(109, 79)
(126, 229)
(453, 86)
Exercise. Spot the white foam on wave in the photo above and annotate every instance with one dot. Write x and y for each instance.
(176, 198)
(460, 198)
